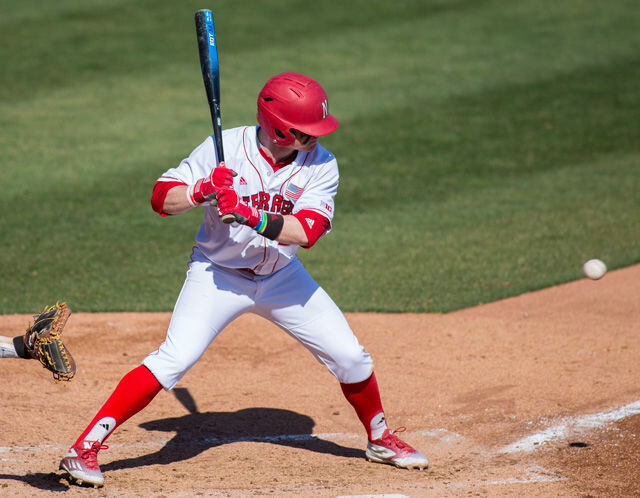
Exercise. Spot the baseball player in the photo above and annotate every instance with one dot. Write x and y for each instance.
(279, 184)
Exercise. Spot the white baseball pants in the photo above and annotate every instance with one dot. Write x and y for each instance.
(212, 297)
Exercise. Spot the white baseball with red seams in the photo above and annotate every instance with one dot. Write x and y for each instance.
(219, 288)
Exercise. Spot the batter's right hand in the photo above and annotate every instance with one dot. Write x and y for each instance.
(229, 203)
(205, 189)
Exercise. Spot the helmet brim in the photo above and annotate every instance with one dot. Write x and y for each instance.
(321, 128)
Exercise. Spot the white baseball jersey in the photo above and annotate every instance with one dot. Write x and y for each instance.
(309, 182)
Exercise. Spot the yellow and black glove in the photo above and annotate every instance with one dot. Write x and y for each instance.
(43, 341)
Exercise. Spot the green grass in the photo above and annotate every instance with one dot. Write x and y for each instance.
(486, 148)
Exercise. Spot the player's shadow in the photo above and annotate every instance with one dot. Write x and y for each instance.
(49, 482)
(198, 432)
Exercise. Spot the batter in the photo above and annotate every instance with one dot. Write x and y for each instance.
(279, 183)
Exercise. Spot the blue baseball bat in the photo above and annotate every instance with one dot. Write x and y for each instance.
(208, 50)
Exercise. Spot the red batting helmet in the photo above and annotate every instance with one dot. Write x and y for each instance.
(294, 101)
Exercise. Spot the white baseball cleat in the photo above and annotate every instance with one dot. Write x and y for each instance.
(392, 450)
(81, 462)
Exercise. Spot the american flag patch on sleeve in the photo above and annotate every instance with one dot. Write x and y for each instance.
(293, 192)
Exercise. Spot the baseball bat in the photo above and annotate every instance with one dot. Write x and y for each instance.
(208, 50)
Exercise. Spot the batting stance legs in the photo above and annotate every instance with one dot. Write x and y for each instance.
(210, 299)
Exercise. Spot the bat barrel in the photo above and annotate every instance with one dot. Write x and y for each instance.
(207, 49)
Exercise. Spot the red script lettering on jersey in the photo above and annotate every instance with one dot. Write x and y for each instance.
(264, 200)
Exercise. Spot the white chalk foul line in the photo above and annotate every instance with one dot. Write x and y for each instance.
(440, 434)
(531, 475)
(572, 426)
(206, 441)
(525, 480)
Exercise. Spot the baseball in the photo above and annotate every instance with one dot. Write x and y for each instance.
(594, 269)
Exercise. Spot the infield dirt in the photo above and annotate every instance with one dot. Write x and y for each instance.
(258, 416)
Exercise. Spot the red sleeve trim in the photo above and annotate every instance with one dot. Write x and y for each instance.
(314, 225)
(159, 194)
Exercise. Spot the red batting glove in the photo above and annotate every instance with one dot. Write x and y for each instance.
(205, 188)
(229, 202)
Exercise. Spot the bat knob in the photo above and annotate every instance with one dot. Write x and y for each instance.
(228, 218)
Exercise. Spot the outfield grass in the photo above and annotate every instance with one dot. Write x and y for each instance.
(487, 148)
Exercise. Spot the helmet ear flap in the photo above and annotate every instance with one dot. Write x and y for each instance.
(273, 125)
(280, 135)
(267, 121)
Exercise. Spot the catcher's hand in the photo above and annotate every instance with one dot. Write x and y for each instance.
(43, 341)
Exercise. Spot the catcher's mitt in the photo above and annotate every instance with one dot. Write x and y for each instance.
(43, 341)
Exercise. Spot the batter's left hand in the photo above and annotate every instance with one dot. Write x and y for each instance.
(204, 190)
(229, 203)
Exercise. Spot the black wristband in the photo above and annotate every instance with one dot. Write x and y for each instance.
(21, 350)
(270, 225)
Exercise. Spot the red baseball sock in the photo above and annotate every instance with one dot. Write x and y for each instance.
(365, 398)
(132, 394)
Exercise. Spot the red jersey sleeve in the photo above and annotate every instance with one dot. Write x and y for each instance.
(159, 194)
(314, 225)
